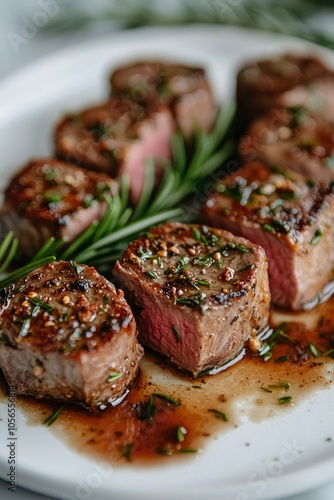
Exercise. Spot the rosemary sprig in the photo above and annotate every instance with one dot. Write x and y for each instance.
(280, 16)
(8, 248)
(23, 271)
(112, 245)
(104, 241)
(49, 248)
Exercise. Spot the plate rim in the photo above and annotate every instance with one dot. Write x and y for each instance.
(42, 63)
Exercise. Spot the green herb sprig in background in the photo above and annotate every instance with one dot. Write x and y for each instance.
(280, 16)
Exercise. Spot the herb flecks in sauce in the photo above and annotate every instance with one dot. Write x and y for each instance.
(53, 417)
(219, 414)
(154, 415)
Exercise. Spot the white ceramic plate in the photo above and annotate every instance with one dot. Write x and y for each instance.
(290, 453)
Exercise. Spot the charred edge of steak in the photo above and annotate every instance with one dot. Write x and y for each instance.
(97, 137)
(52, 190)
(290, 217)
(52, 198)
(181, 257)
(277, 199)
(68, 335)
(117, 138)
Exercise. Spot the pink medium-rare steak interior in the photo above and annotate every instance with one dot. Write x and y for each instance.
(198, 294)
(287, 214)
(68, 335)
(48, 198)
(117, 137)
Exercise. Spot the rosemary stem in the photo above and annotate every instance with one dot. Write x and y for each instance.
(129, 230)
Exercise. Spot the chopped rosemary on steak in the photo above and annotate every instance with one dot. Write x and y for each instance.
(63, 341)
(205, 296)
(286, 215)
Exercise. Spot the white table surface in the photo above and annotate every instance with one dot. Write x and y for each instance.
(12, 19)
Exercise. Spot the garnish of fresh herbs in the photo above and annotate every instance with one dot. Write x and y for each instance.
(277, 336)
(104, 241)
(149, 409)
(280, 16)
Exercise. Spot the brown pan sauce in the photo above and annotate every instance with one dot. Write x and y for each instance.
(146, 429)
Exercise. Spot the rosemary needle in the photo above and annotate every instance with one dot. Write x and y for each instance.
(53, 417)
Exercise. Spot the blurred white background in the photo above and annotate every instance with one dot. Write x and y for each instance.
(21, 39)
(18, 22)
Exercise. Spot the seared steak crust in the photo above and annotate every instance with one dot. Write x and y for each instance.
(285, 81)
(52, 198)
(294, 138)
(184, 89)
(116, 137)
(290, 216)
(67, 334)
(197, 293)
